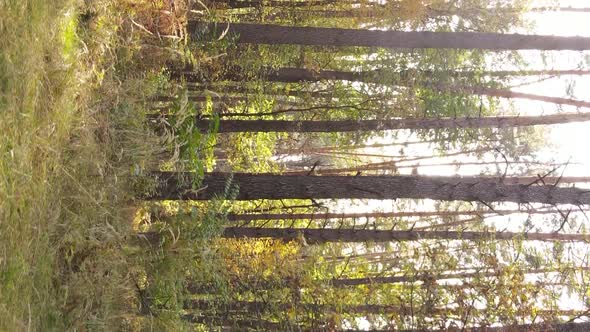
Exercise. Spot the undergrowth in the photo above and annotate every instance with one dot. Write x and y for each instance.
(78, 80)
(75, 77)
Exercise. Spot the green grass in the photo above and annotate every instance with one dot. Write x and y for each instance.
(66, 134)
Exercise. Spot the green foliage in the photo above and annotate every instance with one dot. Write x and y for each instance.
(194, 148)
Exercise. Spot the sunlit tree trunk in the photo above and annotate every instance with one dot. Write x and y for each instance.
(172, 185)
(314, 236)
(232, 126)
(276, 34)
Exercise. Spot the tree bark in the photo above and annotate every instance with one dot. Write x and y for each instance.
(276, 35)
(318, 236)
(174, 186)
(232, 126)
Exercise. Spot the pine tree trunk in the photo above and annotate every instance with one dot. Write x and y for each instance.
(174, 186)
(232, 126)
(276, 34)
(317, 236)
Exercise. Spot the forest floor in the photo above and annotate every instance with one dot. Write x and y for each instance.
(67, 130)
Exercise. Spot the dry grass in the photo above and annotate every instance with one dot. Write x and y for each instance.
(71, 134)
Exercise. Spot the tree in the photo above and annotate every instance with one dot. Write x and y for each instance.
(231, 126)
(172, 186)
(316, 236)
(276, 35)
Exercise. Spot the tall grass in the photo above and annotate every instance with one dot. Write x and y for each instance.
(71, 133)
(37, 119)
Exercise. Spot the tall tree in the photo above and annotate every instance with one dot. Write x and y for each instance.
(276, 34)
(296, 75)
(315, 236)
(231, 126)
(171, 185)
